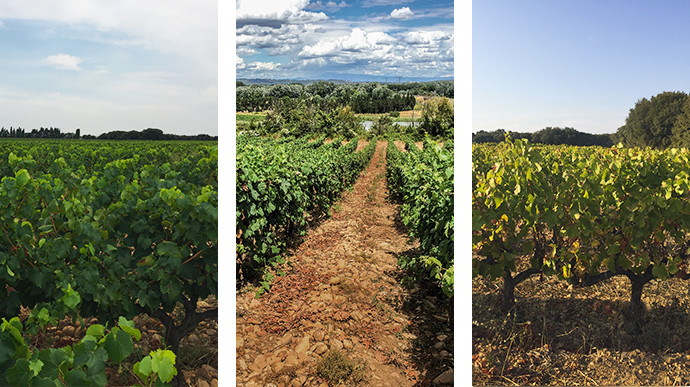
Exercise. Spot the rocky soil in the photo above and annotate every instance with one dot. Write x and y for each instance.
(570, 336)
(197, 360)
(340, 315)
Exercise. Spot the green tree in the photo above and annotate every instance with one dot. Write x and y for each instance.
(382, 126)
(651, 122)
(347, 124)
(152, 134)
(681, 128)
(437, 118)
(320, 88)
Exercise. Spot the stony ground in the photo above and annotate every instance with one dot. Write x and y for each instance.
(197, 360)
(340, 315)
(571, 336)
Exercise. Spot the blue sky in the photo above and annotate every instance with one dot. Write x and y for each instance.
(340, 38)
(104, 65)
(581, 64)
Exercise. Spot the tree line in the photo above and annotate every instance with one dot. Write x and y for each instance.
(663, 121)
(42, 132)
(292, 117)
(150, 134)
(370, 97)
(548, 135)
(146, 134)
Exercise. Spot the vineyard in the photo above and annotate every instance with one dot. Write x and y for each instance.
(319, 235)
(104, 233)
(277, 182)
(595, 242)
(422, 180)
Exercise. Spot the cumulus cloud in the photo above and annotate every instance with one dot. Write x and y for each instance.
(426, 37)
(263, 65)
(402, 13)
(371, 46)
(376, 3)
(374, 52)
(259, 69)
(180, 27)
(63, 61)
(330, 6)
(276, 14)
(254, 66)
(313, 62)
(245, 50)
(358, 41)
(289, 38)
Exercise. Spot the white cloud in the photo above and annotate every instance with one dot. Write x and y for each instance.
(320, 49)
(259, 69)
(245, 50)
(402, 13)
(274, 14)
(374, 43)
(239, 62)
(371, 45)
(426, 37)
(314, 62)
(275, 41)
(330, 6)
(263, 65)
(150, 63)
(180, 27)
(64, 61)
(424, 51)
(374, 3)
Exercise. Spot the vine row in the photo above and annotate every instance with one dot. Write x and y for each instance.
(583, 214)
(280, 185)
(422, 181)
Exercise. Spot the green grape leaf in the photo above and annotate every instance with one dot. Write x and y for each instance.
(128, 327)
(118, 345)
(22, 177)
(163, 364)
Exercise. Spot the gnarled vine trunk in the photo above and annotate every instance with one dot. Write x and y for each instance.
(635, 312)
(175, 333)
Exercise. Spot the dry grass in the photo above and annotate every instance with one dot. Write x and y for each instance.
(337, 369)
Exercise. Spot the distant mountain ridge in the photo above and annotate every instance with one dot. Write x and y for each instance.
(271, 81)
(339, 78)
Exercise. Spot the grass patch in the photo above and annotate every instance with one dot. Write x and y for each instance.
(374, 117)
(336, 368)
(348, 287)
(194, 354)
(283, 376)
(352, 292)
(364, 257)
(372, 190)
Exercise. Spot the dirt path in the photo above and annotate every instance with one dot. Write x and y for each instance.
(344, 294)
